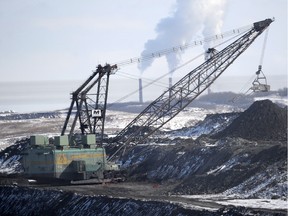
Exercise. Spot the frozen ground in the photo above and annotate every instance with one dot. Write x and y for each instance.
(223, 199)
(234, 171)
(18, 128)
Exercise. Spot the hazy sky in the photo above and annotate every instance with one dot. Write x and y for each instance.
(62, 40)
(65, 40)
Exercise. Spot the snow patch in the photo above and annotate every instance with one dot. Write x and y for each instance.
(257, 203)
(226, 200)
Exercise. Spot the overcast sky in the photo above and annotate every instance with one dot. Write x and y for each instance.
(65, 40)
(60, 43)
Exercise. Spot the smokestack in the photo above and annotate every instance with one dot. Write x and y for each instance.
(170, 82)
(170, 85)
(140, 91)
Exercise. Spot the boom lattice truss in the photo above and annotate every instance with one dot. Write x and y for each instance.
(182, 93)
(90, 99)
(89, 102)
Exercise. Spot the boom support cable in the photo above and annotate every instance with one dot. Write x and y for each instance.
(182, 93)
(181, 48)
(175, 69)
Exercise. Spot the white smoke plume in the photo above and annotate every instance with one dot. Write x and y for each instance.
(190, 17)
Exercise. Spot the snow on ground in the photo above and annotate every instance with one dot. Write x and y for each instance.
(10, 165)
(238, 159)
(192, 115)
(196, 207)
(7, 141)
(117, 120)
(13, 130)
(6, 113)
(188, 117)
(275, 204)
(275, 99)
(257, 203)
(275, 182)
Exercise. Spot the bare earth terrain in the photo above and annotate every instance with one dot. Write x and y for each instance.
(204, 161)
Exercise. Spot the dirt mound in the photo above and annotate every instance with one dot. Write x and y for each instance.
(263, 120)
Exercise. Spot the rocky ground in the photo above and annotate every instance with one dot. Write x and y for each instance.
(29, 201)
(230, 156)
(231, 166)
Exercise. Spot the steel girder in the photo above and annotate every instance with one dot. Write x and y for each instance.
(182, 93)
(90, 97)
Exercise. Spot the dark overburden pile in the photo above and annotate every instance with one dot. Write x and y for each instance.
(263, 120)
(10, 157)
(27, 201)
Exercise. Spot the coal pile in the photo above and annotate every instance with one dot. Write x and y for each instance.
(11, 156)
(263, 120)
(30, 201)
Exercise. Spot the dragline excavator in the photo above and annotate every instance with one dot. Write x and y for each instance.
(78, 153)
(187, 89)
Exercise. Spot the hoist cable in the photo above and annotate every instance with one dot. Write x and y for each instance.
(264, 46)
